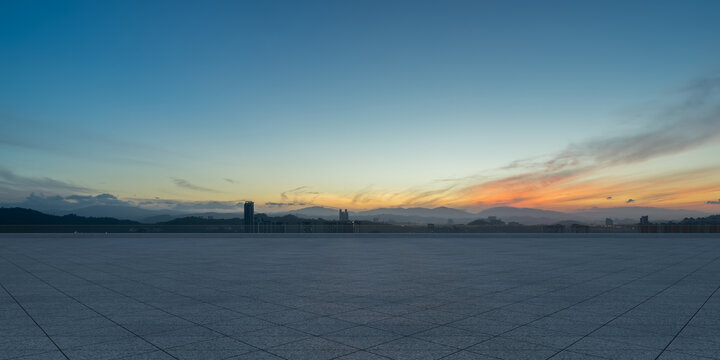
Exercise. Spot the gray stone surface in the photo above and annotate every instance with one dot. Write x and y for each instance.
(360, 296)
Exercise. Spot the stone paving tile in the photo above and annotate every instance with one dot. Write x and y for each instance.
(361, 316)
(676, 355)
(551, 338)
(451, 336)
(696, 346)
(437, 317)
(362, 355)
(321, 325)
(401, 325)
(571, 355)
(152, 355)
(510, 354)
(362, 337)
(312, 348)
(26, 344)
(50, 355)
(220, 348)
(512, 317)
(111, 349)
(637, 337)
(183, 336)
(92, 336)
(272, 336)
(483, 325)
(415, 296)
(613, 349)
(571, 327)
(710, 334)
(239, 326)
(326, 308)
(256, 355)
(466, 355)
(410, 348)
(208, 317)
(288, 316)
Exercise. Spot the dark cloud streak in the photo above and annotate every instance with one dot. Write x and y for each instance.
(188, 185)
(693, 122)
(26, 183)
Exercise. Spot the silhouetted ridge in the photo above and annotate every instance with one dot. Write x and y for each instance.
(199, 220)
(710, 220)
(20, 216)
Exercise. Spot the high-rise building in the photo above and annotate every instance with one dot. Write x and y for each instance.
(608, 222)
(644, 220)
(249, 214)
(343, 215)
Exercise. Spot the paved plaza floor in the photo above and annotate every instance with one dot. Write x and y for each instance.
(360, 296)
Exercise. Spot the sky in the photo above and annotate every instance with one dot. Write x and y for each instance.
(557, 105)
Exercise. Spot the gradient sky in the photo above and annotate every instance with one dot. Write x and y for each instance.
(360, 104)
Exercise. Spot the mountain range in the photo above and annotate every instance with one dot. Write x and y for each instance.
(439, 215)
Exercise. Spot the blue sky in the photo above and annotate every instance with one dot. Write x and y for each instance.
(341, 97)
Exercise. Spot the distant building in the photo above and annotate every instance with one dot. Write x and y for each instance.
(249, 214)
(343, 215)
(609, 222)
(644, 220)
(557, 228)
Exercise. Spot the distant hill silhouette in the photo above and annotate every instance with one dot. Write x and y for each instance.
(527, 216)
(20, 216)
(486, 222)
(632, 214)
(121, 212)
(201, 220)
(621, 215)
(167, 217)
(398, 215)
(440, 212)
(312, 212)
(710, 220)
(197, 220)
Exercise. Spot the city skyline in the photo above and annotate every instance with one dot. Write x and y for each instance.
(361, 105)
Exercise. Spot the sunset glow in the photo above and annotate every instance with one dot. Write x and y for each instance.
(360, 106)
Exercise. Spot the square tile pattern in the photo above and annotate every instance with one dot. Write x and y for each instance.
(360, 296)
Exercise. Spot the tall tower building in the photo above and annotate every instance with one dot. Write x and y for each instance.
(249, 214)
(343, 215)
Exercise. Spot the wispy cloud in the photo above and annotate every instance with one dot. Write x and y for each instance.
(693, 122)
(426, 197)
(300, 190)
(183, 205)
(283, 204)
(77, 201)
(362, 195)
(28, 183)
(23, 133)
(299, 196)
(713, 202)
(188, 185)
(69, 202)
